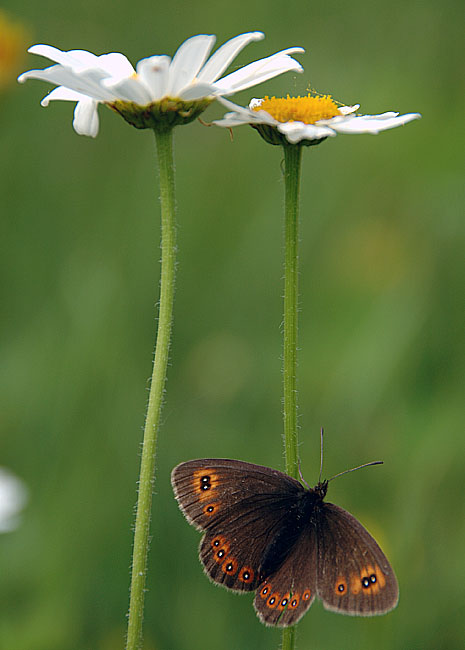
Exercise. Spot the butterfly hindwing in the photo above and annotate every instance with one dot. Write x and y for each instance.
(233, 548)
(354, 575)
(241, 507)
(284, 597)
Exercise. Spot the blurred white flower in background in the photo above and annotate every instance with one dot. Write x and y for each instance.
(13, 497)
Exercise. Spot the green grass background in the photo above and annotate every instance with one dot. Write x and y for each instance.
(381, 362)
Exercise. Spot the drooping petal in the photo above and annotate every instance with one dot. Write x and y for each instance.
(187, 62)
(56, 74)
(260, 71)
(223, 56)
(87, 83)
(86, 121)
(154, 73)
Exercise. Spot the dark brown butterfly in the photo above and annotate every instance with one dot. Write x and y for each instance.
(266, 532)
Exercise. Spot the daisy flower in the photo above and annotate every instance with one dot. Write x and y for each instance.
(161, 92)
(307, 120)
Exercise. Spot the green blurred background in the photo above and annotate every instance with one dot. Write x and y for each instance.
(381, 337)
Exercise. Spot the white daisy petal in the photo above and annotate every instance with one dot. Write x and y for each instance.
(259, 71)
(56, 74)
(224, 55)
(245, 115)
(197, 91)
(64, 94)
(234, 107)
(347, 110)
(154, 72)
(372, 123)
(115, 64)
(187, 62)
(255, 101)
(129, 89)
(71, 59)
(262, 117)
(298, 131)
(86, 121)
(87, 83)
(230, 120)
(90, 83)
(381, 116)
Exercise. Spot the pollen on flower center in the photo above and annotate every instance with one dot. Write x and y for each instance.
(307, 109)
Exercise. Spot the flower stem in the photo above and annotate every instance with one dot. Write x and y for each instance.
(292, 161)
(288, 639)
(164, 141)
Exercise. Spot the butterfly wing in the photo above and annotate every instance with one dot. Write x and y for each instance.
(354, 576)
(284, 597)
(241, 507)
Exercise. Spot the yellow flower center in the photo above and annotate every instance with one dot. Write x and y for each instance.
(13, 38)
(308, 109)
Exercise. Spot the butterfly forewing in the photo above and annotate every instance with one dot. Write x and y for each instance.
(241, 506)
(354, 575)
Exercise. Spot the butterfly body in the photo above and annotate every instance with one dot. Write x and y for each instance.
(301, 515)
(266, 532)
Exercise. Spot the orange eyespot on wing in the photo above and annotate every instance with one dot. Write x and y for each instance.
(230, 566)
(284, 602)
(227, 564)
(360, 581)
(246, 574)
(294, 602)
(340, 588)
(306, 595)
(272, 600)
(380, 577)
(370, 580)
(205, 481)
(211, 509)
(220, 548)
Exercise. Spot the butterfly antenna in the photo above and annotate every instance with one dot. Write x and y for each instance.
(302, 478)
(346, 471)
(321, 453)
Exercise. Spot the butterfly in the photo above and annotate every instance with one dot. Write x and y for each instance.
(266, 532)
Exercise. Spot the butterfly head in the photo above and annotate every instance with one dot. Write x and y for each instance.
(320, 489)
